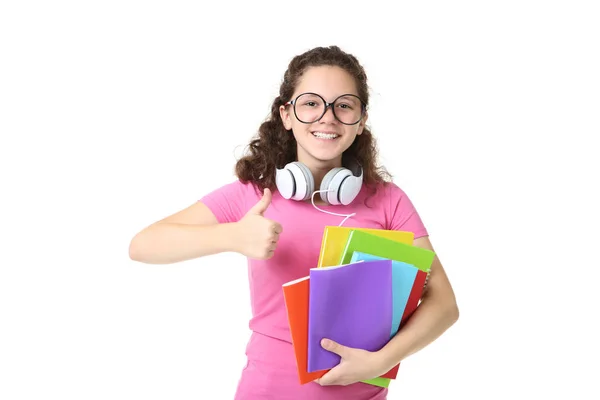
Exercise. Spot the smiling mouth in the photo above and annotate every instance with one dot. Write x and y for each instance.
(323, 135)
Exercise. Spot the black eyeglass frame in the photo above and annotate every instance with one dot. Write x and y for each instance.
(327, 105)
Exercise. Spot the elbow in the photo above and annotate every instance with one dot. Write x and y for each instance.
(453, 312)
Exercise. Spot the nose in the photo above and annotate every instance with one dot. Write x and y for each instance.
(328, 116)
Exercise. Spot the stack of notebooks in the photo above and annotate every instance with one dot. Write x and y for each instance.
(367, 283)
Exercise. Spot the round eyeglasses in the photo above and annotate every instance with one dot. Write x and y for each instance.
(310, 107)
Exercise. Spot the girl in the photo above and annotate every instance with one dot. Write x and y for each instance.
(313, 163)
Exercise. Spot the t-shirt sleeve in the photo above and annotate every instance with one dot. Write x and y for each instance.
(403, 214)
(229, 202)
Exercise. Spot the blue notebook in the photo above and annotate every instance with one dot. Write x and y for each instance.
(403, 278)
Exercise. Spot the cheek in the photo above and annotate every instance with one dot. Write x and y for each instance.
(353, 131)
(300, 128)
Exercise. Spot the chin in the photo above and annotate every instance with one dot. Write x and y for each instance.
(325, 156)
(323, 151)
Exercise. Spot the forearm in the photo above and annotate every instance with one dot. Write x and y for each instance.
(166, 243)
(430, 320)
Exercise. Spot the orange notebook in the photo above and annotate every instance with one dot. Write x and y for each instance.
(296, 295)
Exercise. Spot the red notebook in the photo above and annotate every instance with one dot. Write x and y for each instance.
(415, 296)
(411, 306)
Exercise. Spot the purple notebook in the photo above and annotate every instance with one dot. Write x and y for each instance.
(350, 304)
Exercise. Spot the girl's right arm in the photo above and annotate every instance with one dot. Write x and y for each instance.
(195, 232)
(190, 233)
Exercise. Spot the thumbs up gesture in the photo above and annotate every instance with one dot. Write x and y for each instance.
(257, 236)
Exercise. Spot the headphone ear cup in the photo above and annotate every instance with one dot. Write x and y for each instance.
(285, 182)
(350, 188)
(341, 186)
(329, 192)
(305, 183)
(295, 181)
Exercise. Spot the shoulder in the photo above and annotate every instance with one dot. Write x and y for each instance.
(385, 193)
(398, 211)
(401, 212)
(230, 201)
(235, 188)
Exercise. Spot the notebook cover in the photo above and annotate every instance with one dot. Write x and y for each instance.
(350, 304)
(382, 382)
(403, 278)
(415, 296)
(296, 294)
(335, 238)
(383, 247)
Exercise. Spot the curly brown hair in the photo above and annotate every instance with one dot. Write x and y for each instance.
(274, 146)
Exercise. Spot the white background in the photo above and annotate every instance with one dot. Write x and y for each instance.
(114, 114)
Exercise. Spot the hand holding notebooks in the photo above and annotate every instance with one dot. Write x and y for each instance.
(351, 305)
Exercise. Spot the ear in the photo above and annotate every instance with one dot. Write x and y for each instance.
(362, 123)
(285, 117)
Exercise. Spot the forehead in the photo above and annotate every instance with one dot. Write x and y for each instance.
(328, 81)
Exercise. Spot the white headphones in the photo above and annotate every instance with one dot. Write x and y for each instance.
(339, 186)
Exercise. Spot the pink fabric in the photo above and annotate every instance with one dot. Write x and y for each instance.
(271, 369)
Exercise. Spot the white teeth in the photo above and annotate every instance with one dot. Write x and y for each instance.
(322, 135)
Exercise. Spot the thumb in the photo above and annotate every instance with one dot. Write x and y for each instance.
(262, 205)
(334, 347)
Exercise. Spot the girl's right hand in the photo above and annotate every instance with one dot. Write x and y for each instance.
(257, 236)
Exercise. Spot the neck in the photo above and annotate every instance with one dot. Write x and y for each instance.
(319, 169)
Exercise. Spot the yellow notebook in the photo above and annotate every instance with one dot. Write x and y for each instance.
(335, 239)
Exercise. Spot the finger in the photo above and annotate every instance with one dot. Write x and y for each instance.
(330, 378)
(271, 241)
(275, 232)
(262, 205)
(277, 228)
(334, 347)
(274, 237)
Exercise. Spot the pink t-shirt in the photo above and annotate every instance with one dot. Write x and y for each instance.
(271, 369)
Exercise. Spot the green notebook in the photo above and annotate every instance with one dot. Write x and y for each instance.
(387, 248)
(381, 382)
